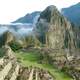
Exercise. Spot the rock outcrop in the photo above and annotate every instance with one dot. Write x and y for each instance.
(60, 38)
(6, 38)
(54, 30)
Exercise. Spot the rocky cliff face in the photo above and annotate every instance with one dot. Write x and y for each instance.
(62, 40)
(54, 30)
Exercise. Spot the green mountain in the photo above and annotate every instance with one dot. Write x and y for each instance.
(54, 29)
(29, 18)
(73, 13)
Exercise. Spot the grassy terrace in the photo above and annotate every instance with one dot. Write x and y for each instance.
(31, 59)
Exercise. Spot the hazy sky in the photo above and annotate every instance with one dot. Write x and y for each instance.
(10, 10)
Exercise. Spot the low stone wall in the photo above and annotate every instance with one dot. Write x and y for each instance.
(15, 74)
(5, 71)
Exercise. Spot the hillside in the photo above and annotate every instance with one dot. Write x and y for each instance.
(22, 65)
(72, 13)
(29, 18)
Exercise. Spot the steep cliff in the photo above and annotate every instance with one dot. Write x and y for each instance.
(54, 30)
(61, 38)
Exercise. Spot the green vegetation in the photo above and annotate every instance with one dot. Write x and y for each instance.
(15, 46)
(2, 52)
(32, 59)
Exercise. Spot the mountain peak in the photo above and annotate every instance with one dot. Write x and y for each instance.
(73, 13)
(51, 8)
(28, 18)
(48, 12)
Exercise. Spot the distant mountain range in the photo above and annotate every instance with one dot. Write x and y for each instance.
(72, 13)
(21, 26)
(26, 23)
(28, 18)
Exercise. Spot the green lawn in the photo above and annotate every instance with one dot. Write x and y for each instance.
(31, 59)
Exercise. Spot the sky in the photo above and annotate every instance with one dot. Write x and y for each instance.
(11, 10)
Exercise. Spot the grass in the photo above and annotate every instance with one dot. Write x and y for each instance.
(31, 59)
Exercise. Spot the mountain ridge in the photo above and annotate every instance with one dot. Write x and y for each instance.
(28, 18)
(72, 13)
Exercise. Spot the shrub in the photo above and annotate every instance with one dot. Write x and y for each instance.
(15, 46)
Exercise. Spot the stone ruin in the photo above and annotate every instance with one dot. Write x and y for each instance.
(10, 69)
(34, 73)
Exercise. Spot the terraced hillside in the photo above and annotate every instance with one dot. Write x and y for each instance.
(26, 67)
(11, 69)
(31, 58)
(34, 73)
